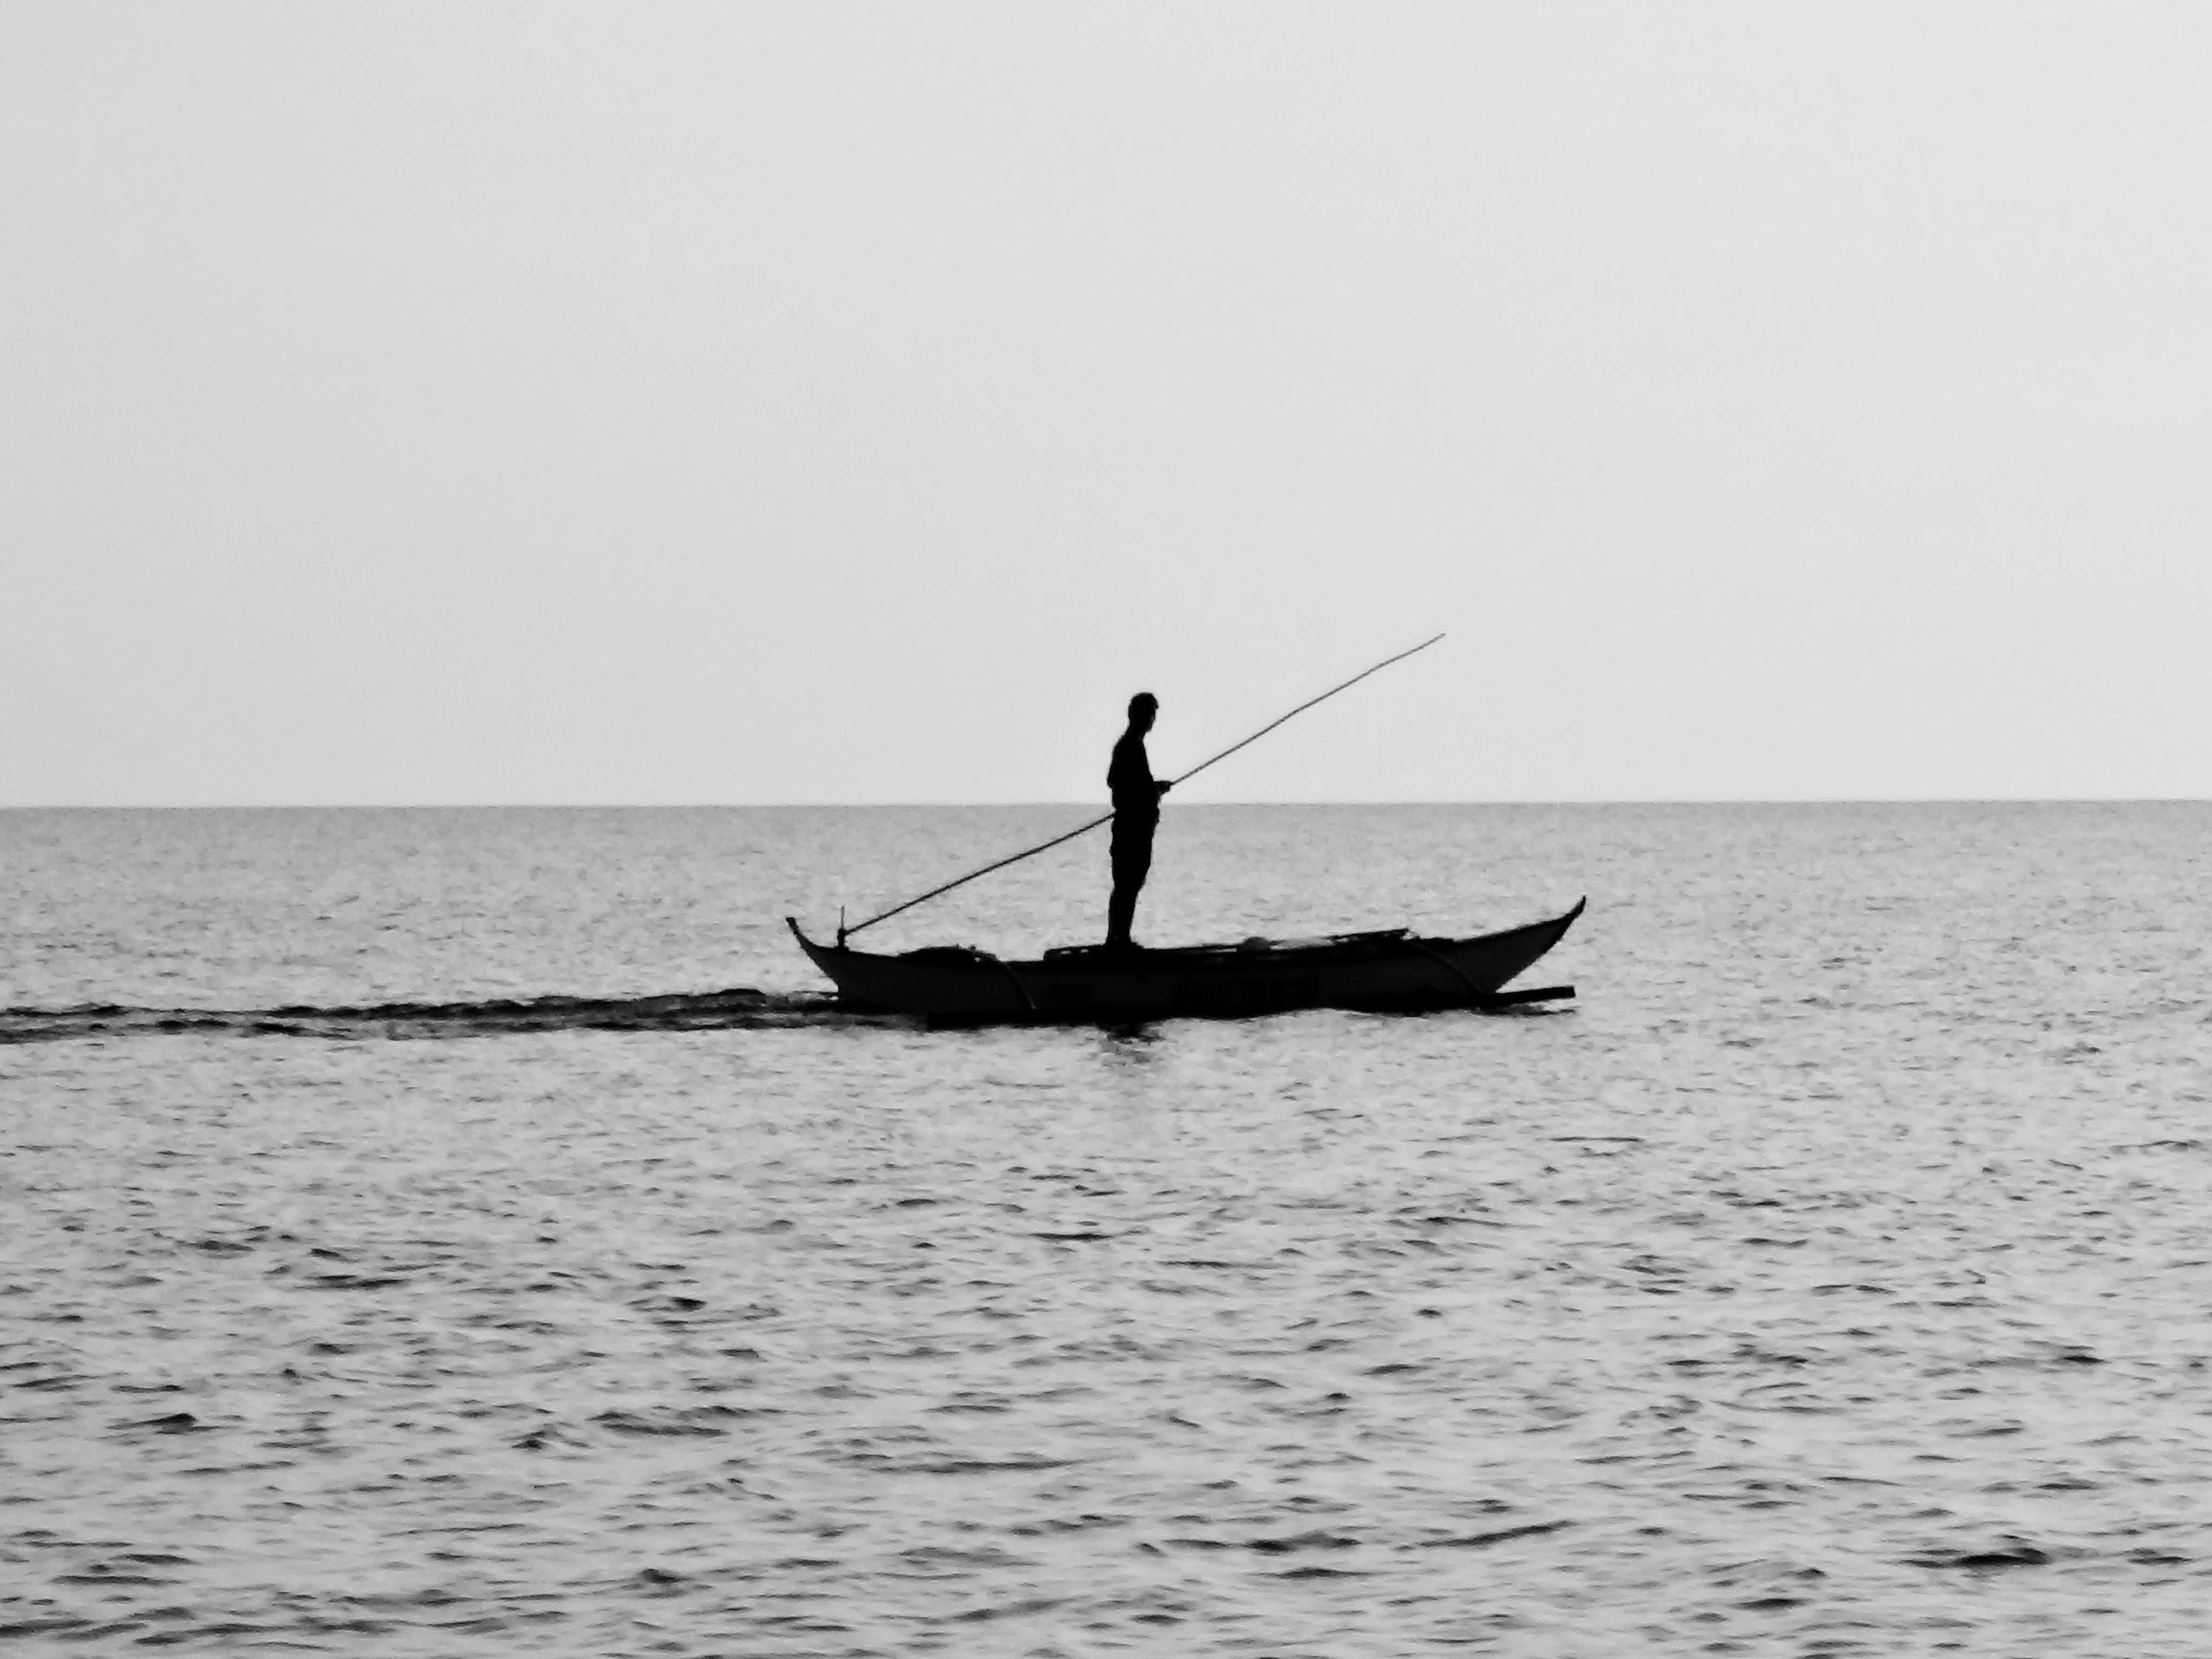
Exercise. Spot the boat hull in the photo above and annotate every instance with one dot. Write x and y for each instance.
(1388, 972)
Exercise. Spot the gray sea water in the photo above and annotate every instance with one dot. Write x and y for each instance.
(1832, 1277)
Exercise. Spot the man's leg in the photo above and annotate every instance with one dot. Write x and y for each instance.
(1132, 861)
(1121, 911)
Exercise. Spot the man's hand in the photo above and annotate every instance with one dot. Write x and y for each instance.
(1163, 788)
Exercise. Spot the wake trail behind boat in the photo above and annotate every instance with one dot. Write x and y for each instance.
(707, 1011)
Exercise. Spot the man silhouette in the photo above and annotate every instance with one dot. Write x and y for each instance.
(1136, 813)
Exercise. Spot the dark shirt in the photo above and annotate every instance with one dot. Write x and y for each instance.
(1130, 780)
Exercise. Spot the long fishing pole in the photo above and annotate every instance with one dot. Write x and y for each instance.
(1303, 707)
(845, 932)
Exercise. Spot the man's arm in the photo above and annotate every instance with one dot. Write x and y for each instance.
(1118, 779)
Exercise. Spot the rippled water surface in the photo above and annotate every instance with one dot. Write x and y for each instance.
(1831, 1277)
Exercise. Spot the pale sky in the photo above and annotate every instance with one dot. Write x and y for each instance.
(546, 403)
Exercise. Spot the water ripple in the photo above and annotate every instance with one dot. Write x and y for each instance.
(1772, 1303)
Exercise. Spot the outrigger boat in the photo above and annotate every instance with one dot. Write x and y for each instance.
(1393, 971)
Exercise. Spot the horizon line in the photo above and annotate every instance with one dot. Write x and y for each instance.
(1092, 805)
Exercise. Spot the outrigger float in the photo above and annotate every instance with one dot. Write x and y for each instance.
(1392, 971)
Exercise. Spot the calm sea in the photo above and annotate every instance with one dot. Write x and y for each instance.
(1832, 1277)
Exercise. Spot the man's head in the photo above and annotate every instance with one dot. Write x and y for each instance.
(1142, 710)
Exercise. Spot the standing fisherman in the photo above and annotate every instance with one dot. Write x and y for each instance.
(1136, 813)
(1136, 810)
